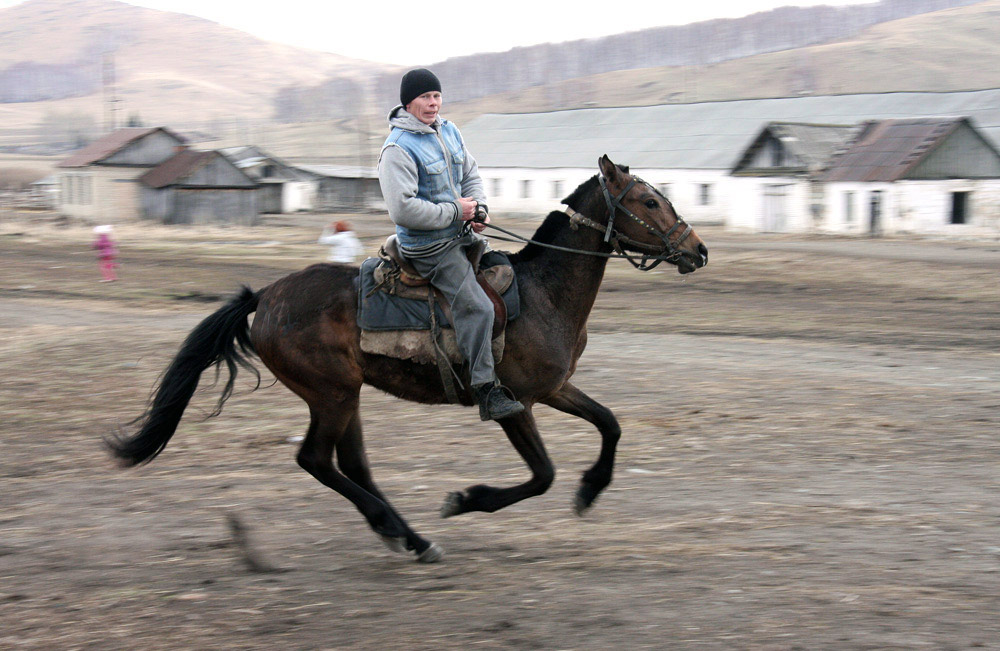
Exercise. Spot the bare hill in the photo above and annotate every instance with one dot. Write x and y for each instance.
(954, 49)
(170, 68)
(948, 50)
(193, 73)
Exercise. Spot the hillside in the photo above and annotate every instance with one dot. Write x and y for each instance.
(952, 49)
(194, 74)
(169, 67)
(548, 66)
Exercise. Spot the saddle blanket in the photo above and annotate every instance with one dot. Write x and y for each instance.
(380, 310)
(395, 319)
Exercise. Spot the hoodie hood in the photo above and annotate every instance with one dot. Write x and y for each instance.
(401, 118)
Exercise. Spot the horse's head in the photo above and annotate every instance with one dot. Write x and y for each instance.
(640, 220)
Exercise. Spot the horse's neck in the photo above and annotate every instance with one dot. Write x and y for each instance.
(570, 280)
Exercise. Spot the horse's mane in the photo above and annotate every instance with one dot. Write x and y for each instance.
(557, 219)
(580, 195)
(545, 234)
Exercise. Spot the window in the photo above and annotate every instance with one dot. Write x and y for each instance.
(497, 187)
(875, 212)
(557, 189)
(959, 207)
(705, 194)
(848, 207)
(777, 151)
(86, 189)
(525, 189)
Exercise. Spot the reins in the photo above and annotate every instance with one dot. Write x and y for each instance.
(668, 252)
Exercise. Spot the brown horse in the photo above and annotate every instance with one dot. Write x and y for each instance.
(305, 332)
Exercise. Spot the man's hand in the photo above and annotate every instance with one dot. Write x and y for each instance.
(471, 210)
(468, 208)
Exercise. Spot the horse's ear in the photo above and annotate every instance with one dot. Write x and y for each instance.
(608, 169)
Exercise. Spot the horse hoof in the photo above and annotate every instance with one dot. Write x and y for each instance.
(581, 504)
(452, 505)
(394, 543)
(431, 555)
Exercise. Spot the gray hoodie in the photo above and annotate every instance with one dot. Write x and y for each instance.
(398, 177)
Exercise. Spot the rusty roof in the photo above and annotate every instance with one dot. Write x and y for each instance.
(885, 150)
(177, 167)
(111, 143)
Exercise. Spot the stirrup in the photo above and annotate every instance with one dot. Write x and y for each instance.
(497, 401)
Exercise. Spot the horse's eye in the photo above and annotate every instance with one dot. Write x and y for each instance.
(651, 204)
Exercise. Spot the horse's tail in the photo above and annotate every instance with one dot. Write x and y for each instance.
(222, 337)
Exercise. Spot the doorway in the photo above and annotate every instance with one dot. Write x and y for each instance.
(959, 207)
(875, 213)
(775, 217)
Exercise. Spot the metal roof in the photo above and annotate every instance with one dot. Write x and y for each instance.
(709, 135)
(111, 143)
(885, 150)
(247, 156)
(176, 168)
(810, 144)
(340, 171)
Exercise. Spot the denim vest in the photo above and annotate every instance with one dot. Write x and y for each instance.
(439, 176)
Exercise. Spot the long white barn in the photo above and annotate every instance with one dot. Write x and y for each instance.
(531, 161)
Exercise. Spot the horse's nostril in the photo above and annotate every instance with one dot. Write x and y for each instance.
(703, 250)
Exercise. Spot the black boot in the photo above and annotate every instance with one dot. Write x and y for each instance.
(496, 401)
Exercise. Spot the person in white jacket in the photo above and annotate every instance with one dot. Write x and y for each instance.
(344, 245)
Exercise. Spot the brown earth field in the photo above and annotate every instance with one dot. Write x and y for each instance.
(809, 460)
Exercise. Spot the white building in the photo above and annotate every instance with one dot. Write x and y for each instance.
(282, 188)
(687, 150)
(773, 180)
(100, 181)
(926, 175)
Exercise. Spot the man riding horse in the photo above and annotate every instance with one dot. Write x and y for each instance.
(435, 196)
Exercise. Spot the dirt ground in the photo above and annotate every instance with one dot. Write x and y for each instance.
(809, 461)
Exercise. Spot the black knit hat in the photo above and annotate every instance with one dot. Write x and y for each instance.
(415, 83)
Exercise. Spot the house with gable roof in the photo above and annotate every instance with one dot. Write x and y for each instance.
(99, 182)
(773, 180)
(150, 173)
(928, 175)
(198, 187)
(282, 188)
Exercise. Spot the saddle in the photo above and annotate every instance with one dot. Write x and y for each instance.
(400, 278)
(402, 315)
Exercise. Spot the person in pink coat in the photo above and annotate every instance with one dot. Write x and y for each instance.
(107, 253)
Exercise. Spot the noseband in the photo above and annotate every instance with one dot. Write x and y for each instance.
(619, 241)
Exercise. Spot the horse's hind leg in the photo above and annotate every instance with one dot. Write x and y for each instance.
(523, 434)
(326, 430)
(571, 400)
(353, 462)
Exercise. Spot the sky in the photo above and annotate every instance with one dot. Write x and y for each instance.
(415, 32)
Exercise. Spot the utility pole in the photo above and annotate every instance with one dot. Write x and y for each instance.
(110, 98)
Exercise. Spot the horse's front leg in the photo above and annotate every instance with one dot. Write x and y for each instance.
(571, 400)
(523, 434)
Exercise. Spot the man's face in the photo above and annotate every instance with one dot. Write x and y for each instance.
(425, 107)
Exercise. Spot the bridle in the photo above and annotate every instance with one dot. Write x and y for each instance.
(619, 241)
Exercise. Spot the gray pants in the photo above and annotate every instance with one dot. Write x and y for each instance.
(450, 271)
